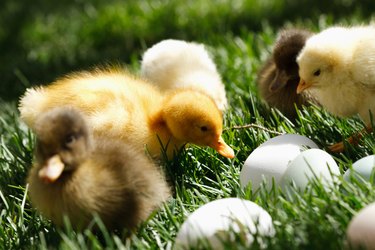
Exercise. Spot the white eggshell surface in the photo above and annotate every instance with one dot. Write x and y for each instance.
(216, 220)
(362, 167)
(310, 164)
(361, 229)
(270, 159)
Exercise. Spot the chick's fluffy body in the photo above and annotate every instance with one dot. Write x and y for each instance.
(174, 64)
(107, 178)
(339, 63)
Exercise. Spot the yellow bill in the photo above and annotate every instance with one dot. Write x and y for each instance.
(302, 85)
(222, 148)
(52, 169)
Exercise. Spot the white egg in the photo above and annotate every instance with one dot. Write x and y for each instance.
(310, 164)
(270, 160)
(362, 168)
(221, 220)
(361, 230)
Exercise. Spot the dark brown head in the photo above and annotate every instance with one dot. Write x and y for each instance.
(63, 142)
(278, 78)
(287, 47)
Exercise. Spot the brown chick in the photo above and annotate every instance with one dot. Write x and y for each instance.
(121, 106)
(75, 175)
(278, 79)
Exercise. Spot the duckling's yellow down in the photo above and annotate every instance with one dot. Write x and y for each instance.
(119, 105)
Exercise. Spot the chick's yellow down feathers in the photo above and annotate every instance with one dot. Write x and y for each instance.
(77, 175)
(118, 105)
(337, 67)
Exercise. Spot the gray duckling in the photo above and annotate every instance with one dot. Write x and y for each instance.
(78, 175)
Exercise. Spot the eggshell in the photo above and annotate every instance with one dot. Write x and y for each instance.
(312, 163)
(361, 230)
(220, 219)
(362, 168)
(271, 159)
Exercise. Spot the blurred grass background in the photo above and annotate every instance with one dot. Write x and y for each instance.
(44, 39)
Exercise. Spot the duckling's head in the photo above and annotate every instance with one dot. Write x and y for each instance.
(287, 47)
(63, 142)
(193, 117)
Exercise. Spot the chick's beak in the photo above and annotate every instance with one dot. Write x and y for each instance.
(302, 85)
(52, 169)
(222, 148)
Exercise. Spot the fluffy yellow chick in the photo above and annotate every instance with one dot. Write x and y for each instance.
(76, 175)
(120, 106)
(175, 64)
(337, 67)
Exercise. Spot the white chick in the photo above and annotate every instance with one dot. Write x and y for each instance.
(174, 64)
(337, 66)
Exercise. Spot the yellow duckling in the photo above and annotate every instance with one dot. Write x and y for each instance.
(121, 106)
(76, 175)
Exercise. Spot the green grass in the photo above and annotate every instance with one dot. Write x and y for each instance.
(312, 220)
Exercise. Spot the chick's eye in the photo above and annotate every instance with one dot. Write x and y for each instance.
(317, 72)
(204, 128)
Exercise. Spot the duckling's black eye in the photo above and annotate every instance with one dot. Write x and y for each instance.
(204, 128)
(69, 139)
(317, 72)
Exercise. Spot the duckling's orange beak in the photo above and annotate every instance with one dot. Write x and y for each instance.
(222, 148)
(52, 170)
(302, 85)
